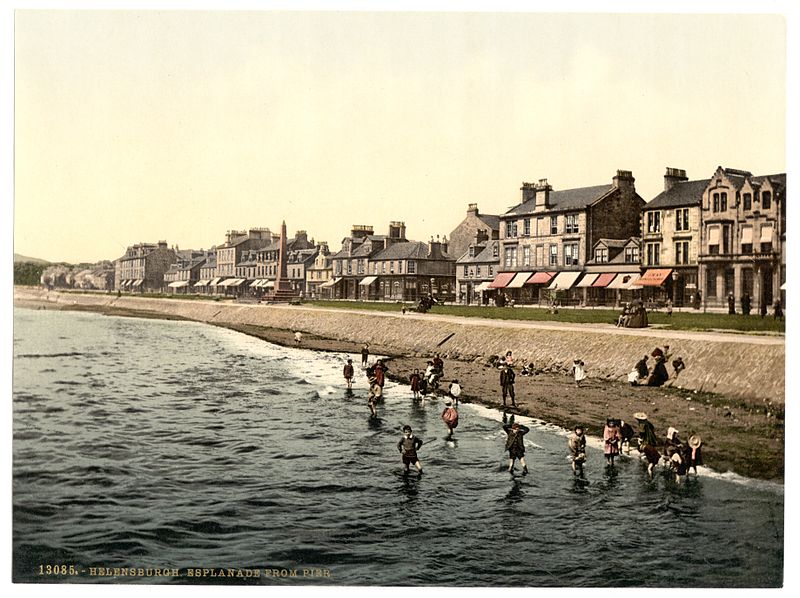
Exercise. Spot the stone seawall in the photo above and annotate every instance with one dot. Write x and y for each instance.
(746, 367)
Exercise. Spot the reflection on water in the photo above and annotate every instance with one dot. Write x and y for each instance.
(152, 444)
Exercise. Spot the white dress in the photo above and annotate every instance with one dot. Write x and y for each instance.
(580, 372)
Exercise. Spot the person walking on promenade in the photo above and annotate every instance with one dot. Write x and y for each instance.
(507, 378)
(364, 355)
(348, 373)
(408, 447)
(577, 449)
(450, 418)
(731, 304)
(515, 445)
(777, 310)
(375, 394)
(578, 371)
(455, 391)
(669, 308)
(415, 384)
(611, 440)
(695, 452)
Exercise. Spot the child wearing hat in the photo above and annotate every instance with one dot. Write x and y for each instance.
(455, 391)
(348, 373)
(515, 445)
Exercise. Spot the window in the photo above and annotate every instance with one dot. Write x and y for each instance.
(713, 240)
(391, 267)
(723, 202)
(554, 255)
(653, 254)
(349, 266)
(400, 267)
(471, 272)
(747, 201)
(682, 219)
(631, 255)
(477, 270)
(653, 222)
(726, 238)
(682, 252)
(601, 255)
(361, 266)
(766, 200)
(466, 271)
(412, 267)
(711, 282)
(383, 267)
(511, 230)
(495, 250)
(715, 204)
(571, 254)
(526, 227)
(553, 225)
(571, 224)
(510, 257)
(526, 256)
(491, 270)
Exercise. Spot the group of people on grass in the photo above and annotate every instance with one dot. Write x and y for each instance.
(618, 435)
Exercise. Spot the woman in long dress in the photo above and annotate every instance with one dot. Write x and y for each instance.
(612, 440)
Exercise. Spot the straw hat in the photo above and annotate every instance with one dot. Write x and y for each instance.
(695, 441)
(640, 415)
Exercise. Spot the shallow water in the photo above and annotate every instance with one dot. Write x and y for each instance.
(162, 444)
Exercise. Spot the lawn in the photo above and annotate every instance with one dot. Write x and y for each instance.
(678, 321)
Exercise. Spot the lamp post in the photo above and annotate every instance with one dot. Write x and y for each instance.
(675, 277)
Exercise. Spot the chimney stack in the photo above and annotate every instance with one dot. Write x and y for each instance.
(472, 209)
(673, 176)
(542, 195)
(528, 191)
(623, 180)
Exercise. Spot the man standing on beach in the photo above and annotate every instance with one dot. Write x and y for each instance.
(507, 378)
(408, 446)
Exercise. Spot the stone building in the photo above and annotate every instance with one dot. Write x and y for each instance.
(230, 254)
(476, 269)
(611, 275)
(143, 266)
(319, 274)
(742, 240)
(463, 235)
(267, 259)
(671, 225)
(350, 263)
(547, 239)
(208, 272)
(185, 271)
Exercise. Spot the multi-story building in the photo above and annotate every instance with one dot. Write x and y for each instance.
(298, 261)
(319, 274)
(476, 269)
(546, 239)
(743, 236)
(208, 272)
(610, 276)
(409, 270)
(267, 261)
(185, 272)
(350, 263)
(230, 253)
(671, 225)
(143, 266)
(462, 236)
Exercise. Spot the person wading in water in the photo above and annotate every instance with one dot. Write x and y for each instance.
(408, 446)
(515, 445)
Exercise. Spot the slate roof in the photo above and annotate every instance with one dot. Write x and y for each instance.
(484, 256)
(490, 220)
(568, 199)
(685, 193)
(414, 250)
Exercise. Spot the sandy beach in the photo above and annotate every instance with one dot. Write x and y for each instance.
(740, 436)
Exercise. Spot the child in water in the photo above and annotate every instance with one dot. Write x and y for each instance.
(375, 394)
(515, 445)
(455, 391)
(348, 373)
(408, 446)
(577, 449)
(450, 418)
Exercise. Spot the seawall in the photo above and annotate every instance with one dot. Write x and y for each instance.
(746, 367)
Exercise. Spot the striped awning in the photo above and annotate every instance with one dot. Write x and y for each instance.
(564, 281)
(587, 280)
(367, 280)
(501, 280)
(201, 283)
(603, 280)
(541, 278)
(138, 282)
(623, 280)
(331, 282)
(519, 280)
(484, 286)
(178, 284)
(654, 277)
(214, 282)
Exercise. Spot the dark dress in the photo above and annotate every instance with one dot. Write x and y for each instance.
(515, 444)
(415, 382)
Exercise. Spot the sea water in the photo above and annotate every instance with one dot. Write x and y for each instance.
(166, 445)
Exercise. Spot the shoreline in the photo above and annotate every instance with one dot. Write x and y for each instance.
(746, 437)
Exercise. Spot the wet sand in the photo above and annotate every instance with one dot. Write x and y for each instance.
(744, 437)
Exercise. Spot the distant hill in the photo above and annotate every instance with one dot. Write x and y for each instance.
(32, 260)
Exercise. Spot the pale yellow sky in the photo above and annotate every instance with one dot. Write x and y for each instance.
(140, 126)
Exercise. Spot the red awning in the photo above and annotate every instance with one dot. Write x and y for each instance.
(541, 278)
(603, 280)
(654, 277)
(501, 280)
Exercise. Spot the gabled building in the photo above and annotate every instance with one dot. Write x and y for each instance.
(185, 271)
(143, 266)
(743, 236)
(463, 235)
(611, 275)
(351, 262)
(476, 268)
(320, 274)
(546, 240)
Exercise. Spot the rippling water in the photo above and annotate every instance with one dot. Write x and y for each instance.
(145, 443)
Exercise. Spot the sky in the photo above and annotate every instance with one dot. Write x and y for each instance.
(162, 125)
